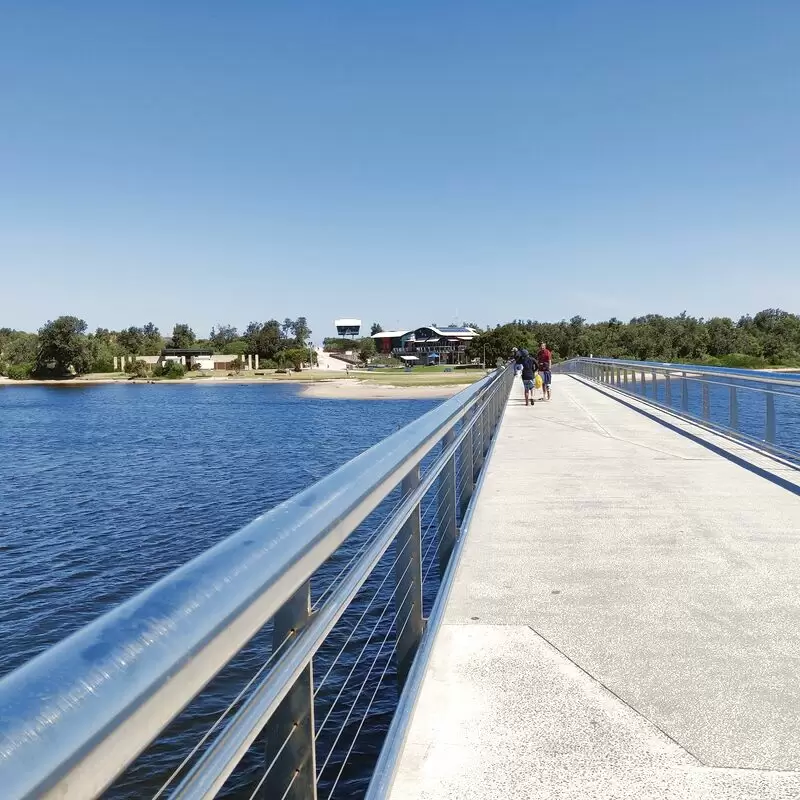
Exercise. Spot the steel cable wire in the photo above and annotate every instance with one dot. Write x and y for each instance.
(389, 573)
(272, 763)
(367, 542)
(361, 653)
(222, 716)
(291, 783)
(361, 688)
(369, 706)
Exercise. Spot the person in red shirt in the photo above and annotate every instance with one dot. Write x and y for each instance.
(545, 359)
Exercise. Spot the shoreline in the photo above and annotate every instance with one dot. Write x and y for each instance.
(343, 389)
(324, 388)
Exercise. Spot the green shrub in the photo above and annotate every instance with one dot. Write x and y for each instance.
(742, 361)
(137, 369)
(103, 364)
(19, 372)
(171, 369)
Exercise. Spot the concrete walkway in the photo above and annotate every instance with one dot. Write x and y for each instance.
(625, 621)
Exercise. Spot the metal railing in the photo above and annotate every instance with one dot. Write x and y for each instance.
(755, 407)
(74, 718)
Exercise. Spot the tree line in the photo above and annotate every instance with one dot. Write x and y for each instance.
(769, 338)
(64, 346)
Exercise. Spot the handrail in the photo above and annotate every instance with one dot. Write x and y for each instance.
(73, 718)
(391, 753)
(652, 382)
(779, 378)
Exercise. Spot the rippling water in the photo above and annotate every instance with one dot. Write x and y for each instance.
(103, 490)
(751, 406)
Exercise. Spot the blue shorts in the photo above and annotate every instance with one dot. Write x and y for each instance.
(547, 377)
(528, 384)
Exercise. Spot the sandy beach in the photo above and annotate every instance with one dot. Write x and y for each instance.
(337, 388)
(364, 390)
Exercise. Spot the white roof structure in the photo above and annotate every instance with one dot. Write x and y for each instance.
(388, 334)
(462, 333)
(347, 323)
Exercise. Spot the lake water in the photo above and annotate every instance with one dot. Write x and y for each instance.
(750, 404)
(105, 489)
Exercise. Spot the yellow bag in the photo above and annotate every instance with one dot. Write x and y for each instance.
(538, 381)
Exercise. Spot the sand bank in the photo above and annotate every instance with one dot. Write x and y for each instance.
(346, 389)
(365, 390)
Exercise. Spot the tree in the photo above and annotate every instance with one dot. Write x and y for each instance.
(296, 356)
(152, 341)
(182, 336)
(63, 346)
(366, 349)
(222, 336)
(500, 342)
(301, 331)
(375, 328)
(131, 341)
(238, 347)
(270, 342)
(18, 348)
(295, 331)
(251, 336)
(102, 350)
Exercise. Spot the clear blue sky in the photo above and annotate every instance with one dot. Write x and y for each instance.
(407, 162)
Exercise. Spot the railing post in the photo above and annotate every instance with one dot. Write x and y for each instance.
(667, 390)
(447, 512)
(477, 431)
(487, 431)
(644, 384)
(769, 432)
(684, 392)
(655, 386)
(706, 402)
(294, 767)
(467, 469)
(625, 377)
(408, 575)
(733, 409)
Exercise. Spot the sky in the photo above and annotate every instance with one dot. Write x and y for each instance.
(405, 163)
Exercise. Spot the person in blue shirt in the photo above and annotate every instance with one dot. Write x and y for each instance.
(529, 367)
(516, 357)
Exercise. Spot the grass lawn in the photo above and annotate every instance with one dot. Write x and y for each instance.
(418, 376)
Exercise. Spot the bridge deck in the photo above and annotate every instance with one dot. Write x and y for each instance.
(625, 621)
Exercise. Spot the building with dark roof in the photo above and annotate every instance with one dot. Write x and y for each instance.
(427, 345)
